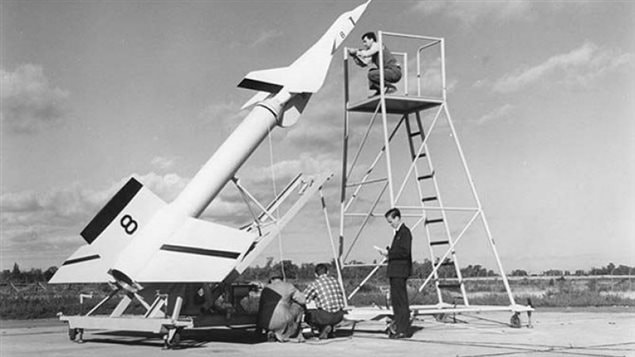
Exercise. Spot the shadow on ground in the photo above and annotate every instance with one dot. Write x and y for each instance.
(195, 338)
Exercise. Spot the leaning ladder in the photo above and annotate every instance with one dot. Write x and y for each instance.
(425, 176)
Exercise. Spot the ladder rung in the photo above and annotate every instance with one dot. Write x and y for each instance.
(447, 262)
(439, 242)
(428, 199)
(415, 133)
(449, 285)
(429, 221)
(425, 177)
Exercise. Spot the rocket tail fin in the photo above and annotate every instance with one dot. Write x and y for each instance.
(268, 80)
(112, 229)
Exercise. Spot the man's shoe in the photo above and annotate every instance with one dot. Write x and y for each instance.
(390, 89)
(391, 329)
(271, 336)
(324, 334)
(397, 336)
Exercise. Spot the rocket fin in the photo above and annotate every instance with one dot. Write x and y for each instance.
(112, 229)
(200, 251)
(268, 80)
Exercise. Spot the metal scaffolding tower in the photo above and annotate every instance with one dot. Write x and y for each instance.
(414, 185)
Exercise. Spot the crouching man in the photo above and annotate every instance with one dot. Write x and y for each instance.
(280, 311)
(329, 300)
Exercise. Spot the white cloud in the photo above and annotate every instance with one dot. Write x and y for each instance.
(228, 211)
(58, 206)
(166, 186)
(580, 66)
(29, 102)
(468, 12)
(266, 37)
(498, 113)
(38, 243)
(263, 38)
(162, 163)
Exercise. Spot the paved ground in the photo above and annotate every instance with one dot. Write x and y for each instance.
(555, 333)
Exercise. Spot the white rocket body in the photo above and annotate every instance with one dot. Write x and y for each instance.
(143, 239)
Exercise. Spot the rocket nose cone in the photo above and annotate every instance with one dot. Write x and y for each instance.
(347, 22)
(357, 12)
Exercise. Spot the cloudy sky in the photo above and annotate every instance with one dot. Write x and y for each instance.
(541, 94)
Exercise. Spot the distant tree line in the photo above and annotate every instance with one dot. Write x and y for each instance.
(610, 269)
(15, 275)
(305, 271)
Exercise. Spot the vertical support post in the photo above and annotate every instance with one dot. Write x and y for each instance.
(405, 80)
(444, 89)
(344, 158)
(382, 99)
(338, 265)
(419, 73)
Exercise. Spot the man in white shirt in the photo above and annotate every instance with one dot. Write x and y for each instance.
(370, 53)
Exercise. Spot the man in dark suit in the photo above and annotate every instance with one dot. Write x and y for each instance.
(399, 269)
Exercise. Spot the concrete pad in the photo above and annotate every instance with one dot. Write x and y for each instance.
(593, 332)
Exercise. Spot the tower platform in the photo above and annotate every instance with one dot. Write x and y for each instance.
(395, 104)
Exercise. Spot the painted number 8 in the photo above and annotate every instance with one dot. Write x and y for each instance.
(129, 225)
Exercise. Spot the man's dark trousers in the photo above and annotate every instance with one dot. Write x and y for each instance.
(398, 270)
(399, 299)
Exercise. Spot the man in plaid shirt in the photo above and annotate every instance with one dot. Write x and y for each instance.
(329, 299)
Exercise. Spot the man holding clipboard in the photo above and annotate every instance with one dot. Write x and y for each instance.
(399, 269)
